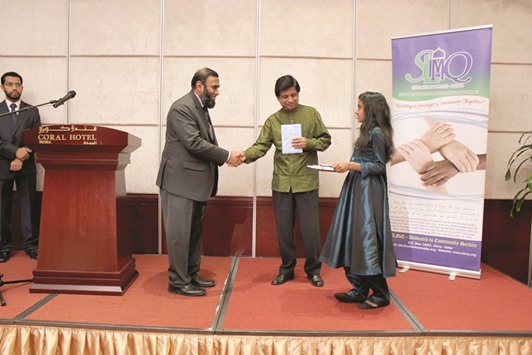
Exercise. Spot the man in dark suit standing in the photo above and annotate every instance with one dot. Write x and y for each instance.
(17, 165)
(188, 176)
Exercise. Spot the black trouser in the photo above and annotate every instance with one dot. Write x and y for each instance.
(307, 204)
(29, 221)
(183, 223)
(376, 283)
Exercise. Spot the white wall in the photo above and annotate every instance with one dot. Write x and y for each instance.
(128, 60)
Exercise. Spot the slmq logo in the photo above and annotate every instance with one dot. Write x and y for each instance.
(436, 67)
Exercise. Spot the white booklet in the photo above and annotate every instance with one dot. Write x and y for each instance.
(322, 167)
(288, 132)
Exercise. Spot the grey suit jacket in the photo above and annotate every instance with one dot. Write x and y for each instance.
(190, 159)
(11, 140)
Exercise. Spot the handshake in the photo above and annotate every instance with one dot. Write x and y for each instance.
(236, 158)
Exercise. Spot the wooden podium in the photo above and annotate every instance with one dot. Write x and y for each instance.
(83, 244)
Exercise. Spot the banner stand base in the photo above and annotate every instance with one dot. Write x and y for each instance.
(452, 272)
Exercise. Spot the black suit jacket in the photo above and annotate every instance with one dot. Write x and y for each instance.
(11, 140)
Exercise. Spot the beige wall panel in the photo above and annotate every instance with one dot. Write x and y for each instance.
(378, 21)
(325, 85)
(235, 181)
(115, 90)
(500, 149)
(235, 106)
(44, 80)
(264, 173)
(314, 28)
(125, 92)
(122, 27)
(512, 25)
(32, 27)
(210, 27)
(510, 98)
(40, 177)
(141, 173)
(374, 75)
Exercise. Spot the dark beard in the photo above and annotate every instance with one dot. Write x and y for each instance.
(206, 99)
(13, 96)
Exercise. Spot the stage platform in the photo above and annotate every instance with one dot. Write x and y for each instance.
(245, 314)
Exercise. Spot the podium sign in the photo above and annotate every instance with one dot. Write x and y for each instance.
(83, 242)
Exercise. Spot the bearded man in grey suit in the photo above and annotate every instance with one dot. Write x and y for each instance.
(188, 176)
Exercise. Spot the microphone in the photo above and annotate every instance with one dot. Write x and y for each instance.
(65, 98)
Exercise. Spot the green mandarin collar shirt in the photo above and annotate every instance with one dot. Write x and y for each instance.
(290, 172)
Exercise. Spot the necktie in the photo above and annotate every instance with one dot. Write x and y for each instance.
(208, 117)
(13, 115)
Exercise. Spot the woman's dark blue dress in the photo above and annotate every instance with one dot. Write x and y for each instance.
(360, 236)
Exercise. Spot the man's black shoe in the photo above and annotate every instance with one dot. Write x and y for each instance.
(282, 278)
(201, 282)
(32, 253)
(187, 290)
(4, 256)
(315, 280)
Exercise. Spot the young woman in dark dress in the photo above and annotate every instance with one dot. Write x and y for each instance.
(360, 236)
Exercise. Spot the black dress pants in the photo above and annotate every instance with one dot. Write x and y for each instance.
(285, 205)
(363, 284)
(29, 221)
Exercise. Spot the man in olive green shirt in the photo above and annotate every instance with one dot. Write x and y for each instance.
(294, 186)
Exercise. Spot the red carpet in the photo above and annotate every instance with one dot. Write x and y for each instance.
(297, 305)
(244, 302)
(16, 295)
(494, 303)
(147, 303)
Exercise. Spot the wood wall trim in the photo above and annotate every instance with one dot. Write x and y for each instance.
(229, 221)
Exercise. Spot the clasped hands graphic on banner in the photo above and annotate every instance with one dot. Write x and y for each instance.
(440, 137)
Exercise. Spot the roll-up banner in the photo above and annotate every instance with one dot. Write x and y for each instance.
(440, 104)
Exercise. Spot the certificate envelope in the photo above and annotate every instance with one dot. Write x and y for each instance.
(289, 131)
(321, 167)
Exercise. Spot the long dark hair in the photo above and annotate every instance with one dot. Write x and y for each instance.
(377, 114)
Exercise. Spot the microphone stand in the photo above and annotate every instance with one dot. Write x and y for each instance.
(27, 108)
(2, 283)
